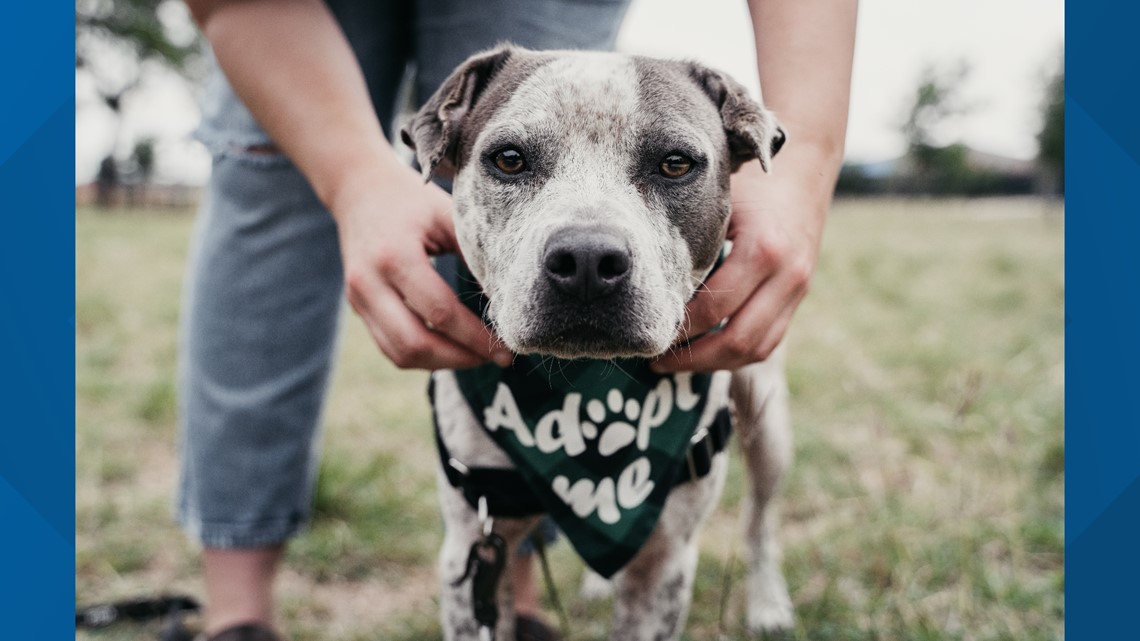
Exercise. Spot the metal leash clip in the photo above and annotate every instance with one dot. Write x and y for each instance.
(485, 563)
(485, 519)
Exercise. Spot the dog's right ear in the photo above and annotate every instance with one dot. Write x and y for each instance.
(433, 133)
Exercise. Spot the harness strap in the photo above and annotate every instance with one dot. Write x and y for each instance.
(707, 445)
(508, 494)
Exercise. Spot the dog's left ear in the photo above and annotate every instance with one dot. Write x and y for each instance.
(433, 133)
(752, 130)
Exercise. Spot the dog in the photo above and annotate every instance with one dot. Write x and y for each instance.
(591, 200)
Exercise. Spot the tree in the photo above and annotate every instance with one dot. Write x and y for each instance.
(116, 41)
(135, 26)
(142, 159)
(937, 99)
(1051, 138)
(935, 167)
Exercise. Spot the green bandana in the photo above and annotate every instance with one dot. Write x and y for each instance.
(599, 449)
(599, 443)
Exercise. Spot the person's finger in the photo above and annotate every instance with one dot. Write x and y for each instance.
(440, 236)
(750, 335)
(779, 327)
(726, 291)
(401, 335)
(429, 296)
(412, 345)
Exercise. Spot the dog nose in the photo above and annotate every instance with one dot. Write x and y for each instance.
(587, 264)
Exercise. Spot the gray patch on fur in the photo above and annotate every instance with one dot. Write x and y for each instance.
(679, 116)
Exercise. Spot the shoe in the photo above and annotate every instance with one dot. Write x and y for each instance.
(531, 629)
(245, 632)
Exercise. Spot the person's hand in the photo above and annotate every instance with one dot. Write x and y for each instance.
(389, 226)
(775, 227)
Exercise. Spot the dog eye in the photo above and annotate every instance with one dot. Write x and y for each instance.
(675, 165)
(510, 161)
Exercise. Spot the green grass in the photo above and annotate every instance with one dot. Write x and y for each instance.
(927, 371)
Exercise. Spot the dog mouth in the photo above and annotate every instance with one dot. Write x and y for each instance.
(570, 347)
(602, 334)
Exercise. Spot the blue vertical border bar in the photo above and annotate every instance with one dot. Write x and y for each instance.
(1102, 311)
(37, 321)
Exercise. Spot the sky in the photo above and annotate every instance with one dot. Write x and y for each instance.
(1010, 46)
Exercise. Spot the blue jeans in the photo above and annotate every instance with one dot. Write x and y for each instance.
(265, 286)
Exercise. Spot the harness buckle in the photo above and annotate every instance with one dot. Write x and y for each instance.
(701, 436)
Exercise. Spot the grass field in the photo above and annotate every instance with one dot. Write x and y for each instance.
(927, 372)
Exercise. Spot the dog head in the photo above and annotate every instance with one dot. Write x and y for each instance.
(591, 189)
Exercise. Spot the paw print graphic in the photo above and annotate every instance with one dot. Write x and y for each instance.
(617, 434)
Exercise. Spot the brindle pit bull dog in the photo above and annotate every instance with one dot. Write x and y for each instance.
(591, 195)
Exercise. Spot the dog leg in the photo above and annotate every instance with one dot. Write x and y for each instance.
(462, 530)
(652, 598)
(652, 593)
(595, 587)
(759, 396)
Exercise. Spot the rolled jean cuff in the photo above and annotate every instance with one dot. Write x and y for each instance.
(257, 534)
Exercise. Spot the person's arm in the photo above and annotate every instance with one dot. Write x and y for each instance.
(803, 50)
(293, 68)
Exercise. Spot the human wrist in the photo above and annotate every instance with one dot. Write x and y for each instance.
(355, 179)
(808, 147)
(803, 165)
(811, 166)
